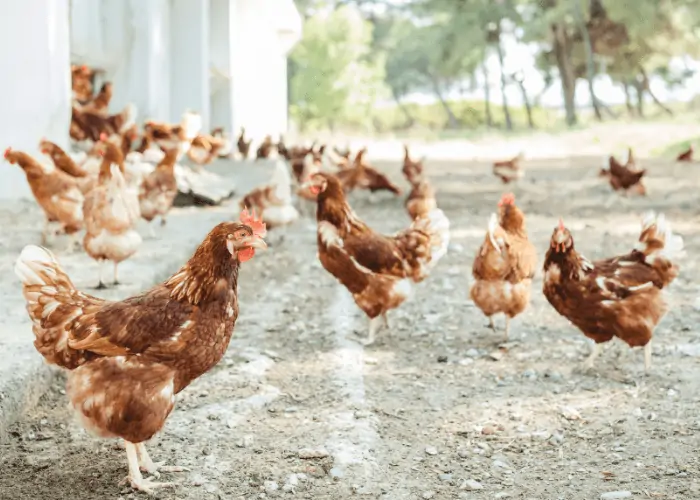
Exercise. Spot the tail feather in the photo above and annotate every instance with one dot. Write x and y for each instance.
(437, 225)
(660, 245)
(53, 304)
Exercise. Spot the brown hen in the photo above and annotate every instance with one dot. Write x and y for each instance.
(127, 360)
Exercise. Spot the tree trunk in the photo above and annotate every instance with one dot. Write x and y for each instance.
(639, 88)
(590, 64)
(562, 51)
(487, 97)
(404, 110)
(452, 121)
(647, 88)
(628, 97)
(526, 99)
(506, 111)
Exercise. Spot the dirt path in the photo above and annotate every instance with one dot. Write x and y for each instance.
(435, 410)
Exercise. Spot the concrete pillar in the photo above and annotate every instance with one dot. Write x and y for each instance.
(35, 91)
(221, 54)
(189, 65)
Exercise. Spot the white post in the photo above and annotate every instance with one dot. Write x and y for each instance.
(35, 91)
(220, 46)
(189, 45)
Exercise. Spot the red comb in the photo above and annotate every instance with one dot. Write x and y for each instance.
(84, 68)
(561, 224)
(7, 152)
(251, 220)
(507, 199)
(103, 136)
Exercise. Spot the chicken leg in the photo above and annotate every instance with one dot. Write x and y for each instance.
(100, 284)
(135, 478)
(595, 351)
(148, 465)
(647, 356)
(374, 324)
(507, 327)
(116, 273)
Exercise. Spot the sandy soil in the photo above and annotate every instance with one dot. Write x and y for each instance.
(439, 408)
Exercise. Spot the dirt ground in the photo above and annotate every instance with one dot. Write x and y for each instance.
(440, 408)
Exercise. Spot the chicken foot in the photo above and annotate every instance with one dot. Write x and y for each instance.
(73, 241)
(374, 325)
(116, 273)
(135, 478)
(148, 465)
(595, 352)
(100, 284)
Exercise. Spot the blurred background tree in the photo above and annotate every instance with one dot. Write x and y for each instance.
(394, 65)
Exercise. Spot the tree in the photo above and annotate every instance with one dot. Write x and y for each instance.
(336, 77)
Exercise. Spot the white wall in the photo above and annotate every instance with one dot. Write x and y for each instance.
(35, 88)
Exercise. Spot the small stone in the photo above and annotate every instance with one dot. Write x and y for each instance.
(530, 374)
(569, 413)
(502, 494)
(245, 442)
(442, 359)
(499, 464)
(431, 450)
(359, 414)
(488, 430)
(496, 355)
(614, 495)
(336, 473)
(637, 412)
(472, 353)
(198, 480)
(471, 485)
(466, 361)
(270, 486)
(428, 495)
(307, 453)
(462, 453)
(445, 477)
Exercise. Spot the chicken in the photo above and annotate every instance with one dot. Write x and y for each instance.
(421, 199)
(624, 177)
(168, 136)
(505, 265)
(86, 125)
(282, 149)
(273, 201)
(226, 150)
(81, 77)
(205, 148)
(304, 162)
(265, 148)
(100, 104)
(618, 297)
(65, 163)
(243, 145)
(111, 213)
(687, 155)
(159, 189)
(361, 175)
(411, 169)
(377, 270)
(56, 192)
(509, 170)
(127, 360)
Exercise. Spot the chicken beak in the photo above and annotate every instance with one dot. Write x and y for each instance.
(253, 242)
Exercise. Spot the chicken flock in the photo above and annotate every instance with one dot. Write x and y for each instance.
(126, 360)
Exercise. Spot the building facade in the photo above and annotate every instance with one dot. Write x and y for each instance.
(226, 59)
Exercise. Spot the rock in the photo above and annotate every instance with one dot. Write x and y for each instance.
(530, 374)
(442, 359)
(462, 453)
(472, 353)
(500, 464)
(198, 188)
(471, 485)
(359, 414)
(614, 495)
(307, 453)
(431, 450)
(569, 413)
(445, 477)
(496, 355)
(198, 480)
(336, 473)
(270, 486)
(502, 494)
(428, 495)
(637, 412)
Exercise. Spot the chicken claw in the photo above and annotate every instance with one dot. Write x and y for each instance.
(147, 485)
(136, 480)
(492, 326)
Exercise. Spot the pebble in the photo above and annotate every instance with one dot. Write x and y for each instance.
(313, 453)
(496, 355)
(462, 453)
(502, 465)
(431, 450)
(472, 353)
(428, 495)
(270, 486)
(614, 495)
(530, 374)
(362, 414)
(245, 442)
(442, 359)
(336, 473)
(198, 480)
(471, 485)
(445, 477)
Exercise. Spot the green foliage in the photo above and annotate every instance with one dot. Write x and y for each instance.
(336, 76)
